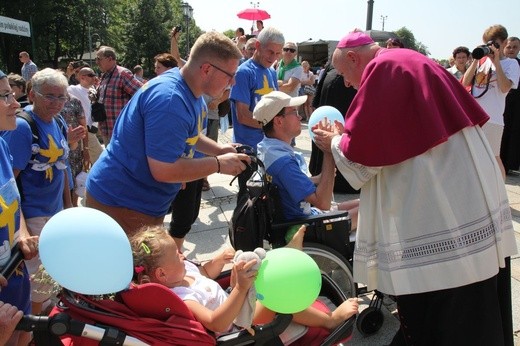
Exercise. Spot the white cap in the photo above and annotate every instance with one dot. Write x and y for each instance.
(272, 103)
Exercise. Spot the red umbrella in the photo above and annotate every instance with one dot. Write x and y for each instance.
(253, 14)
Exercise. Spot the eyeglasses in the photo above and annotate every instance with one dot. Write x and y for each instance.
(8, 98)
(292, 50)
(230, 75)
(52, 98)
(295, 112)
(90, 75)
(251, 49)
(99, 58)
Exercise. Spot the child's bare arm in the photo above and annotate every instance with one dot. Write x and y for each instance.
(221, 318)
(213, 268)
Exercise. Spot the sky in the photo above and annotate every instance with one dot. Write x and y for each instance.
(441, 25)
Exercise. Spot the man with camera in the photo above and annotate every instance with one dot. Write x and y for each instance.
(491, 75)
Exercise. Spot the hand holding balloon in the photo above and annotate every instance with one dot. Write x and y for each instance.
(325, 115)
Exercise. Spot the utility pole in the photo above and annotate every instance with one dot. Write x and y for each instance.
(383, 19)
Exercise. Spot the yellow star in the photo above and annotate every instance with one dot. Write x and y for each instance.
(7, 215)
(53, 153)
(266, 89)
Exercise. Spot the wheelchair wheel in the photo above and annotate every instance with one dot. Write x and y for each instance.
(334, 265)
(370, 321)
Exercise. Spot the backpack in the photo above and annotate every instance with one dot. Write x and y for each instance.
(255, 210)
(36, 139)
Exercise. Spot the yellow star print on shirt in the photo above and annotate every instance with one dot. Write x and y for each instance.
(266, 89)
(193, 140)
(53, 153)
(7, 217)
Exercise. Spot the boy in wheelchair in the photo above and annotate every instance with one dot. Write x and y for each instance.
(300, 195)
(156, 259)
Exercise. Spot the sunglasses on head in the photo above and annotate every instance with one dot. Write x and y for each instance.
(292, 50)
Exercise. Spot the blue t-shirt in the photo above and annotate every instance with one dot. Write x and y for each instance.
(17, 291)
(161, 121)
(287, 172)
(43, 178)
(252, 81)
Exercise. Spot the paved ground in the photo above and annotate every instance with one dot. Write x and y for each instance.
(209, 236)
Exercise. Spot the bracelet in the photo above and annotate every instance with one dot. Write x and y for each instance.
(218, 164)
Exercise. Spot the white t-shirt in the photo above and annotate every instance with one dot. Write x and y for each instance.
(494, 100)
(297, 73)
(81, 93)
(205, 291)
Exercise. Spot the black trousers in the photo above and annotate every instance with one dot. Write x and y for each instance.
(468, 315)
(185, 208)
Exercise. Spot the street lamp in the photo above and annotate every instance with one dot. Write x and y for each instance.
(187, 12)
(97, 43)
(383, 19)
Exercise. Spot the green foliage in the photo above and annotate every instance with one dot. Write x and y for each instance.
(230, 33)
(63, 30)
(407, 37)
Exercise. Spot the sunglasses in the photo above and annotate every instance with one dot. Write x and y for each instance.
(292, 50)
(90, 75)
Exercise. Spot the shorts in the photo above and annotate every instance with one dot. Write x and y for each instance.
(493, 134)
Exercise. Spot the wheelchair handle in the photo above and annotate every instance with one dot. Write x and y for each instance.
(15, 260)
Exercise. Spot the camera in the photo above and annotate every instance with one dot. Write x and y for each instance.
(177, 29)
(482, 51)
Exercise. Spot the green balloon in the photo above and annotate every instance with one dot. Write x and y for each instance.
(288, 281)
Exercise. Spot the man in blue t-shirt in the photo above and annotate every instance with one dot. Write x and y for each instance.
(156, 135)
(300, 194)
(255, 77)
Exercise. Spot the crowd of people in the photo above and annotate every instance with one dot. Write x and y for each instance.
(416, 164)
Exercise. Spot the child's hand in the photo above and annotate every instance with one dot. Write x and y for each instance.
(244, 274)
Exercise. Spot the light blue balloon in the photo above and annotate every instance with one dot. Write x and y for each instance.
(86, 251)
(321, 112)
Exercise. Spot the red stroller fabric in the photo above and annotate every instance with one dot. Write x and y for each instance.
(149, 312)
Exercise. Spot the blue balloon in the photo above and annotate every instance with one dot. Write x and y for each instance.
(320, 113)
(86, 251)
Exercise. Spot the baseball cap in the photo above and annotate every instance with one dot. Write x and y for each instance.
(272, 103)
(354, 39)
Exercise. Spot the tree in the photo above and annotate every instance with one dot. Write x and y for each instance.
(62, 30)
(407, 37)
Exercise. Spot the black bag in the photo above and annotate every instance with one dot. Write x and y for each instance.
(224, 108)
(99, 112)
(254, 213)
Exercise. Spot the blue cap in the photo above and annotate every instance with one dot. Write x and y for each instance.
(2, 74)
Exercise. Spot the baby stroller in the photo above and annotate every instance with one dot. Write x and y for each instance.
(259, 219)
(151, 314)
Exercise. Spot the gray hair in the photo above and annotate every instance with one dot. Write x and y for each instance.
(108, 52)
(270, 35)
(48, 76)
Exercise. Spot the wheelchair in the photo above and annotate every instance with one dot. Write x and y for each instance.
(326, 240)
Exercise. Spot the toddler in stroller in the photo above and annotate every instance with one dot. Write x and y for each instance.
(158, 318)
(157, 259)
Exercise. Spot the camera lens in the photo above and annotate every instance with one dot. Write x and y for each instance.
(480, 52)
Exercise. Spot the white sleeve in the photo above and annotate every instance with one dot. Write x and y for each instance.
(356, 174)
